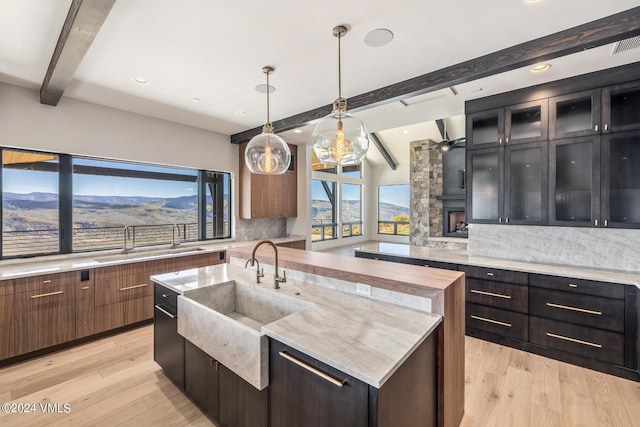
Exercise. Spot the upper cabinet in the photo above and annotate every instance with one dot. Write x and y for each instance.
(268, 196)
(567, 160)
(515, 124)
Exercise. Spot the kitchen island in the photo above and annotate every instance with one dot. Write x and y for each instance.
(383, 347)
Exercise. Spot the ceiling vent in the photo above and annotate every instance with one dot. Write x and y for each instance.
(627, 44)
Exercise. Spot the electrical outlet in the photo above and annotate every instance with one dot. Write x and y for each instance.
(362, 289)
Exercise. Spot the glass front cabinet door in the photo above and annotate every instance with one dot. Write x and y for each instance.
(574, 182)
(484, 190)
(525, 183)
(576, 114)
(621, 180)
(526, 122)
(621, 107)
(485, 129)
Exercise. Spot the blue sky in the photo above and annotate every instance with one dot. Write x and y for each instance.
(394, 194)
(349, 191)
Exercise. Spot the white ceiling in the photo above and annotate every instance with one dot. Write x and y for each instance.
(214, 51)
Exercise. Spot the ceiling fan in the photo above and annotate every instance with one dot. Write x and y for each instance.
(446, 144)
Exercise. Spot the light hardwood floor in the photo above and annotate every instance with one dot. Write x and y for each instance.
(115, 382)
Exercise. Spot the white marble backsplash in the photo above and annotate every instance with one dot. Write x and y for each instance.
(260, 228)
(608, 248)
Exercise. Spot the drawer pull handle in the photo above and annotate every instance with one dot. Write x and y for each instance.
(573, 285)
(581, 310)
(44, 282)
(484, 319)
(165, 312)
(134, 287)
(490, 274)
(491, 294)
(164, 295)
(560, 337)
(84, 288)
(338, 383)
(47, 294)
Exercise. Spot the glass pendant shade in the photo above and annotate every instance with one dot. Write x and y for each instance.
(267, 154)
(340, 138)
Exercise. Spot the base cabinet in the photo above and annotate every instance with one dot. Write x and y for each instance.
(241, 404)
(168, 344)
(306, 392)
(201, 379)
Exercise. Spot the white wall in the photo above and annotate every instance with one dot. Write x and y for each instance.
(78, 127)
(384, 175)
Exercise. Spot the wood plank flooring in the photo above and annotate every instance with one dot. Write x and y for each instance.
(115, 382)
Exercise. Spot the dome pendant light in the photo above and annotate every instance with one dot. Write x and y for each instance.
(267, 153)
(340, 137)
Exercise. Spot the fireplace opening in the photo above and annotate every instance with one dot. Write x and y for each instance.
(455, 224)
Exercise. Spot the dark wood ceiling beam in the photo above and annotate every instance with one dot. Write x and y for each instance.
(441, 128)
(383, 151)
(603, 31)
(84, 20)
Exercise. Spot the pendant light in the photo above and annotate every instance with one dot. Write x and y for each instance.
(267, 153)
(340, 137)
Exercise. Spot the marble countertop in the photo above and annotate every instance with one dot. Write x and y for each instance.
(16, 268)
(462, 257)
(363, 337)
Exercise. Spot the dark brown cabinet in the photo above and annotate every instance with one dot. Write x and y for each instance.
(621, 107)
(575, 114)
(508, 185)
(268, 196)
(515, 124)
(168, 345)
(241, 404)
(85, 304)
(201, 378)
(306, 392)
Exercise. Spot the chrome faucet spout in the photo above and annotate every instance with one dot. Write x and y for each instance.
(277, 279)
(173, 236)
(126, 235)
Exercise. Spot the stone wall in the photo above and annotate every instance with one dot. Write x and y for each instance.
(425, 177)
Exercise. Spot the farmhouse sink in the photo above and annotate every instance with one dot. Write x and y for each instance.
(225, 321)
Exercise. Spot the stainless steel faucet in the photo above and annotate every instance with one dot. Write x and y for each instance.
(253, 260)
(126, 234)
(173, 236)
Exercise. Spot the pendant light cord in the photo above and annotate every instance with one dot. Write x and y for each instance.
(339, 68)
(268, 90)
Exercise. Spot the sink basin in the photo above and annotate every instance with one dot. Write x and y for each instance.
(142, 255)
(225, 321)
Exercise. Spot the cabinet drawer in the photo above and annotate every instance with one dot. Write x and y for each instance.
(578, 286)
(123, 313)
(499, 322)
(603, 313)
(117, 289)
(124, 270)
(584, 341)
(497, 294)
(163, 295)
(429, 263)
(497, 275)
(45, 282)
(380, 257)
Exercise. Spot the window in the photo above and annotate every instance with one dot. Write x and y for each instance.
(30, 201)
(393, 209)
(323, 210)
(44, 194)
(149, 200)
(336, 198)
(351, 210)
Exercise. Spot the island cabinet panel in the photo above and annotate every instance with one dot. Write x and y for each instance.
(85, 304)
(307, 392)
(241, 404)
(45, 312)
(6, 319)
(168, 344)
(201, 378)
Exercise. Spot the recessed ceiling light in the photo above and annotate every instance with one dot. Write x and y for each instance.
(405, 132)
(195, 99)
(241, 113)
(378, 37)
(297, 131)
(140, 80)
(262, 88)
(531, 1)
(541, 67)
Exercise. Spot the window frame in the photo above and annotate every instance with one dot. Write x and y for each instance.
(66, 195)
(394, 223)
